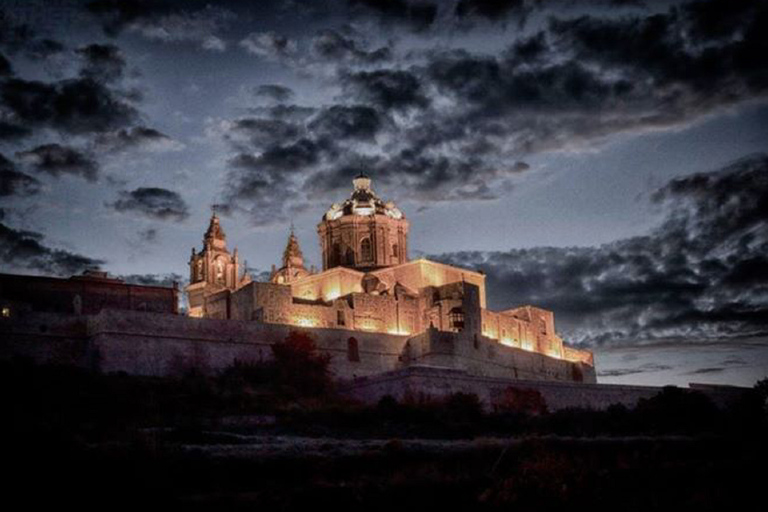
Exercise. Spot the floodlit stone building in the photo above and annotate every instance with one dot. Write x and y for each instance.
(428, 313)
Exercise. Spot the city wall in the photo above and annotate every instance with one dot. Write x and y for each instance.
(423, 383)
(156, 344)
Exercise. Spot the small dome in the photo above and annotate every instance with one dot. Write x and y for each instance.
(363, 202)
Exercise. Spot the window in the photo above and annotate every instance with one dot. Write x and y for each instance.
(340, 317)
(219, 271)
(353, 353)
(365, 249)
(335, 255)
(394, 250)
(456, 318)
(6, 312)
(350, 257)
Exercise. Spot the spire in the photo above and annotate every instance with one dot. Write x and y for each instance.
(292, 256)
(214, 231)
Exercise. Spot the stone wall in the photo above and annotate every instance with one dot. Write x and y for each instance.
(417, 384)
(157, 344)
(478, 355)
(82, 294)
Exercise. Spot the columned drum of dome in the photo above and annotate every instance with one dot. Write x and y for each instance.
(364, 232)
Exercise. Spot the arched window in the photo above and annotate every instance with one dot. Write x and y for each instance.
(219, 271)
(335, 255)
(353, 353)
(456, 319)
(350, 259)
(365, 249)
(394, 250)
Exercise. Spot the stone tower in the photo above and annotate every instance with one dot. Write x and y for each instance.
(363, 232)
(293, 263)
(212, 270)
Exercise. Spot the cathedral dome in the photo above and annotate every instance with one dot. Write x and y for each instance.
(363, 202)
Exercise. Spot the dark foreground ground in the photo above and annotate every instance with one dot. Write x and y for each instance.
(78, 441)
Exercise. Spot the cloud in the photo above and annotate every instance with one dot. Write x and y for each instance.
(274, 92)
(136, 138)
(57, 160)
(148, 235)
(102, 62)
(269, 45)
(357, 122)
(25, 250)
(12, 131)
(418, 15)
(15, 183)
(493, 9)
(154, 203)
(332, 45)
(702, 274)
(455, 125)
(5, 66)
(18, 37)
(166, 280)
(389, 89)
(77, 106)
(643, 368)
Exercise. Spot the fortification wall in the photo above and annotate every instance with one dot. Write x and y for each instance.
(155, 344)
(478, 355)
(428, 383)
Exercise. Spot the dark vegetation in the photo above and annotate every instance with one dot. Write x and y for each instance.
(77, 437)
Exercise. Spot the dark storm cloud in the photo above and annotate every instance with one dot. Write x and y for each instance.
(700, 275)
(17, 37)
(12, 131)
(274, 92)
(332, 45)
(116, 15)
(56, 160)
(153, 202)
(493, 9)
(260, 133)
(166, 21)
(5, 66)
(137, 137)
(457, 125)
(269, 45)
(102, 62)
(389, 89)
(25, 250)
(14, 182)
(417, 14)
(79, 105)
(347, 122)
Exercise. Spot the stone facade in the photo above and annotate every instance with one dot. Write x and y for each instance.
(212, 272)
(363, 232)
(85, 294)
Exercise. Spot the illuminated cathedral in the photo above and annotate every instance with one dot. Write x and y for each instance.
(368, 285)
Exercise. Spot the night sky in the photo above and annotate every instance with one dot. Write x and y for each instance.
(605, 160)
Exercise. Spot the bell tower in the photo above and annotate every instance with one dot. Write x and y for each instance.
(293, 263)
(213, 269)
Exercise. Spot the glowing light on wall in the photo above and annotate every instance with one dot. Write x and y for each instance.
(333, 293)
(399, 332)
(304, 322)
